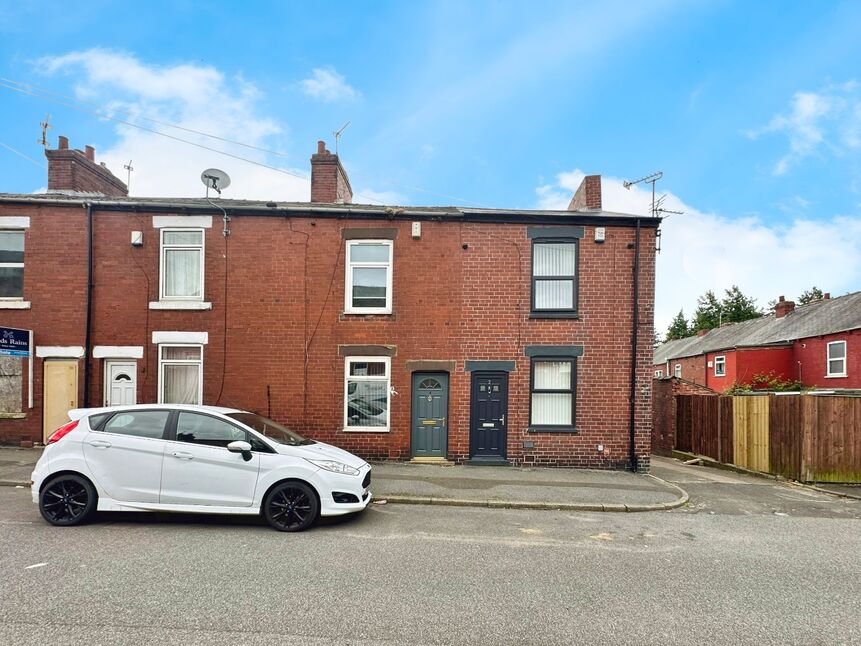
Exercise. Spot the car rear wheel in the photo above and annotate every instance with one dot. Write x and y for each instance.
(67, 500)
(291, 507)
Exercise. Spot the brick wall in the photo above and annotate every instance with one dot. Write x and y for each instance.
(461, 292)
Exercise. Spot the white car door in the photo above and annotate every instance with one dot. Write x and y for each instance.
(125, 456)
(199, 470)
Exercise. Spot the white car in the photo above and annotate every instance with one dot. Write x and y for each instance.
(205, 459)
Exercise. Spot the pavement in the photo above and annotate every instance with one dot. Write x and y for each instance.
(469, 486)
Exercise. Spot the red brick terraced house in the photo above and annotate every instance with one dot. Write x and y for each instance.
(473, 335)
(818, 344)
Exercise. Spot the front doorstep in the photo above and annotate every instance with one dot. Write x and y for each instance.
(432, 460)
(488, 462)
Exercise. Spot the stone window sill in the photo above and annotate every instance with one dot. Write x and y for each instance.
(13, 415)
(365, 430)
(14, 305)
(180, 305)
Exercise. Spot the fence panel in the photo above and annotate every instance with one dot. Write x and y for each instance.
(832, 439)
(683, 422)
(750, 432)
(725, 426)
(785, 435)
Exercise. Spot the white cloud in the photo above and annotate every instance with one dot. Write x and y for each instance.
(327, 85)
(192, 96)
(703, 251)
(830, 118)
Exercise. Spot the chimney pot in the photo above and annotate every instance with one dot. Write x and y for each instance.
(62, 142)
(321, 148)
(90, 152)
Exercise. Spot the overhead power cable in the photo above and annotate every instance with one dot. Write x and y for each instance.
(20, 154)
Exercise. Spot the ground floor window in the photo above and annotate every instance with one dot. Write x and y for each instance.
(180, 374)
(367, 385)
(11, 384)
(552, 393)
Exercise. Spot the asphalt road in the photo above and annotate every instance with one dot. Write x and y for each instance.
(730, 568)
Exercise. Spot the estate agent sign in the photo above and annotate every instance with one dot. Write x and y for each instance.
(14, 342)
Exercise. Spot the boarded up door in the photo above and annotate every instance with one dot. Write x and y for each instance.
(60, 394)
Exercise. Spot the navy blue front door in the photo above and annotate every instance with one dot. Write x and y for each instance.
(488, 430)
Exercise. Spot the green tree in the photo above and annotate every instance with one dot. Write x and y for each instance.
(708, 313)
(679, 327)
(736, 307)
(810, 295)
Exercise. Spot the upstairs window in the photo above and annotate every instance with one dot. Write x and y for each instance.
(181, 268)
(836, 359)
(659, 374)
(720, 366)
(369, 277)
(12, 265)
(552, 397)
(677, 370)
(554, 277)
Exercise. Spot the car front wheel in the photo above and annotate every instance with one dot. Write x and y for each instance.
(67, 500)
(291, 507)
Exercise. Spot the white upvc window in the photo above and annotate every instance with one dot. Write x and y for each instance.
(836, 359)
(368, 283)
(180, 374)
(720, 366)
(659, 374)
(181, 265)
(677, 370)
(367, 391)
(11, 265)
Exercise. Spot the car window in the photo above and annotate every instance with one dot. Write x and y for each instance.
(203, 429)
(96, 420)
(139, 423)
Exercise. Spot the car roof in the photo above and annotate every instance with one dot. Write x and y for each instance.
(78, 413)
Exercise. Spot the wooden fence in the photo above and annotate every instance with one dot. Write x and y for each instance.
(804, 437)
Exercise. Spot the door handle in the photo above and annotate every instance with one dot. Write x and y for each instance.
(182, 455)
(502, 419)
(100, 444)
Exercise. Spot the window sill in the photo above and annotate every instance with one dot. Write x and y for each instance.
(552, 429)
(180, 305)
(366, 429)
(840, 376)
(14, 305)
(13, 415)
(554, 315)
(367, 312)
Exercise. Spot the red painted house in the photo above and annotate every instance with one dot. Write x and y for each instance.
(485, 335)
(818, 344)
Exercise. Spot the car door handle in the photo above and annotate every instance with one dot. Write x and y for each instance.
(182, 455)
(100, 444)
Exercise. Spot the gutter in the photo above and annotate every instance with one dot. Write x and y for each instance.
(359, 213)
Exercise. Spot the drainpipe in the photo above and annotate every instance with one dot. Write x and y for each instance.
(89, 323)
(635, 318)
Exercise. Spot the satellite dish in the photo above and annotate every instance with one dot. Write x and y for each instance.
(215, 179)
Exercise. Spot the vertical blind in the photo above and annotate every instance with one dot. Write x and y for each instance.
(554, 269)
(552, 408)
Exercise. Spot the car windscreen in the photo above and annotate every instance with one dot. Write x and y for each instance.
(272, 430)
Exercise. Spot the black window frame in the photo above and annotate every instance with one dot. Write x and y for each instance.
(554, 428)
(572, 312)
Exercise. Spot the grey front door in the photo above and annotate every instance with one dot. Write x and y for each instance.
(430, 412)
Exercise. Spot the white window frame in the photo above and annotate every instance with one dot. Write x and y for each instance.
(828, 359)
(162, 252)
(677, 371)
(659, 374)
(348, 280)
(179, 362)
(720, 361)
(14, 265)
(387, 378)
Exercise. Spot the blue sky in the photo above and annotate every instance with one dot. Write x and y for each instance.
(751, 110)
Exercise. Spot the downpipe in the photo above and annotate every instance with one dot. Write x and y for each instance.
(635, 325)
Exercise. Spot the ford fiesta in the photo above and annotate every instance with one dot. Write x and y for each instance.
(194, 459)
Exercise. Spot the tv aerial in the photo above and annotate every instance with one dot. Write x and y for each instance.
(657, 209)
(214, 179)
(338, 134)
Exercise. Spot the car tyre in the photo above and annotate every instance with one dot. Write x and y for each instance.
(291, 506)
(67, 500)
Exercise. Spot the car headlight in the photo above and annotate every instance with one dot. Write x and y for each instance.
(335, 467)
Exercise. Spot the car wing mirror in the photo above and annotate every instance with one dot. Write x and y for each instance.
(240, 447)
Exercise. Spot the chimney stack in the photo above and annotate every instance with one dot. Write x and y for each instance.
(74, 171)
(702, 332)
(826, 296)
(587, 197)
(329, 181)
(783, 307)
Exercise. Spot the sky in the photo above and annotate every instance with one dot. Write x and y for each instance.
(752, 111)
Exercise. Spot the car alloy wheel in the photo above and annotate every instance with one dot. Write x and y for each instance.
(67, 500)
(291, 507)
